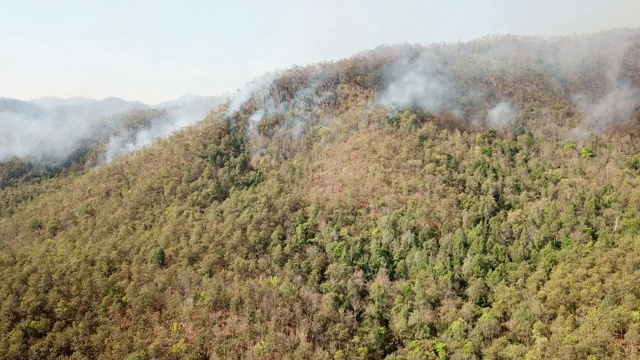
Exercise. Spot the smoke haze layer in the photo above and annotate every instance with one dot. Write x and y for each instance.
(496, 81)
(579, 85)
(50, 134)
(48, 131)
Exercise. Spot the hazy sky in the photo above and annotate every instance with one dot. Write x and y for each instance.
(158, 50)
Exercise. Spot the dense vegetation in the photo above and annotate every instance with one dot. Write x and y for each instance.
(331, 226)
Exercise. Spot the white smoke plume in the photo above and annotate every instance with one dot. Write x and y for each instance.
(243, 95)
(501, 116)
(615, 107)
(122, 144)
(295, 103)
(254, 120)
(172, 119)
(424, 82)
(41, 139)
(50, 135)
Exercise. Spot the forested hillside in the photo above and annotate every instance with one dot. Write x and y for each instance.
(454, 201)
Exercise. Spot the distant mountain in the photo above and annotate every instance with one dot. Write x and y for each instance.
(51, 101)
(19, 106)
(186, 98)
(50, 134)
(200, 105)
(77, 106)
(104, 107)
(113, 105)
(62, 133)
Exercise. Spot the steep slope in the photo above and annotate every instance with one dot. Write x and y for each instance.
(406, 203)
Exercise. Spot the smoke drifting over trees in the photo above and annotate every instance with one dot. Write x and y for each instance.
(487, 82)
(49, 130)
(566, 87)
(425, 82)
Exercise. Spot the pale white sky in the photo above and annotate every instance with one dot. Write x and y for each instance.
(158, 50)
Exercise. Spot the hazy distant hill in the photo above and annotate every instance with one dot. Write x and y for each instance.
(88, 108)
(51, 101)
(18, 106)
(186, 98)
(51, 135)
(193, 104)
(450, 201)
